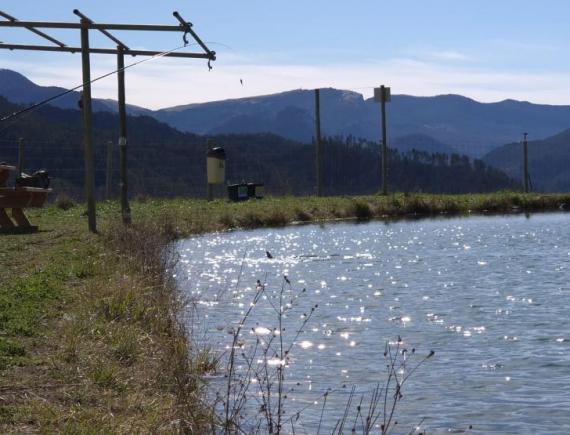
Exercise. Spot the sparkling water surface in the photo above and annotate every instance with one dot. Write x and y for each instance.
(490, 295)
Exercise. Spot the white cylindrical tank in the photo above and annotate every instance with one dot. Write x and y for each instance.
(216, 166)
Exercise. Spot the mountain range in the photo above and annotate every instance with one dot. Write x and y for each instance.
(166, 162)
(18, 89)
(454, 121)
(445, 123)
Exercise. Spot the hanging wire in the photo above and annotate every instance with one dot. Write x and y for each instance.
(157, 56)
(62, 94)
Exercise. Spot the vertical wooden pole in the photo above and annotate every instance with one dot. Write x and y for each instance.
(109, 170)
(384, 146)
(209, 187)
(125, 208)
(525, 163)
(20, 156)
(318, 165)
(87, 129)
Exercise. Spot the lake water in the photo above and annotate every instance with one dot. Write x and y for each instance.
(490, 295)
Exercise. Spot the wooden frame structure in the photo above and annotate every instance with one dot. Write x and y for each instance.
(84, 25)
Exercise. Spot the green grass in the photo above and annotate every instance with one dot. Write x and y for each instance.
(87, 339)
(193, 216)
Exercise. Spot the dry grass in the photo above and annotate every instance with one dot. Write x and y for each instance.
(101, 348)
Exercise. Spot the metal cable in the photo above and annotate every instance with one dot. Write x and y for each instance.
(55, 97)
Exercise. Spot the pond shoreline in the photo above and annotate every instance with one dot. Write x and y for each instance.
(83, 276)
(279, 212)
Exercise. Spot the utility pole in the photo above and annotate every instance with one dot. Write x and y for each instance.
(109, 171)
(318, 161)
(20, 156)
(125, 208)
(87, 128)
(210, 193)
(525, 163)
(383, 96)
(210, 186)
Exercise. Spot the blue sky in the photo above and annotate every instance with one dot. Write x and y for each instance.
(487, 50)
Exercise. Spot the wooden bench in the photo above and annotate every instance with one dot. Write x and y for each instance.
(18, 199)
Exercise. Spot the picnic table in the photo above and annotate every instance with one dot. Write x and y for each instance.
(17, 199)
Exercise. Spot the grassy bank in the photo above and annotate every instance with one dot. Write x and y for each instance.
(88, 334)
(197, 216)
(89, 342)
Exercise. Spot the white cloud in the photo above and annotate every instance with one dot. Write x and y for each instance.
(447, 55)
(523, 46)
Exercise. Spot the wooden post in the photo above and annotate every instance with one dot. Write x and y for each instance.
(525, 163)
(209, 186)
(20, 156)
(318, 166)
(87, 129)
(109, 171)
(125, 208)
(384, 146)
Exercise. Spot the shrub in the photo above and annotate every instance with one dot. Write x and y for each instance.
(226, 220)
(250, 220)
(104, 376)
(303, 216)
(64, 202)
(142, 198)
(125, 345)
(361, 210)
(275, 218)
(10, 348)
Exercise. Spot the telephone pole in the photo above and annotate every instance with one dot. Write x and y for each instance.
(383, 96)
(525, 162)
(125, 208)
(109, 171)
(21, 153)
(210, 186)
(87, 129)
(318, 165)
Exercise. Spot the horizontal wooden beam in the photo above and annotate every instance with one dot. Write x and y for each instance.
(95, 26)
(31, 29)
(209, 56)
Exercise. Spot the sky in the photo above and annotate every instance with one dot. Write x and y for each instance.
(489, 50)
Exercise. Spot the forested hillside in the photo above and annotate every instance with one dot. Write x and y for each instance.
(167, 162)
(549, 162)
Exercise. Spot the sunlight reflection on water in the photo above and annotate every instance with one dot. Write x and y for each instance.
(489, 294)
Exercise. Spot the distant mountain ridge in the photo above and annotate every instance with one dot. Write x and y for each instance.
(447, 122)
(18, 89)
(464, 124)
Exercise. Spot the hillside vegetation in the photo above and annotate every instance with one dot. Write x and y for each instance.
(167, 162)
(549, 162)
